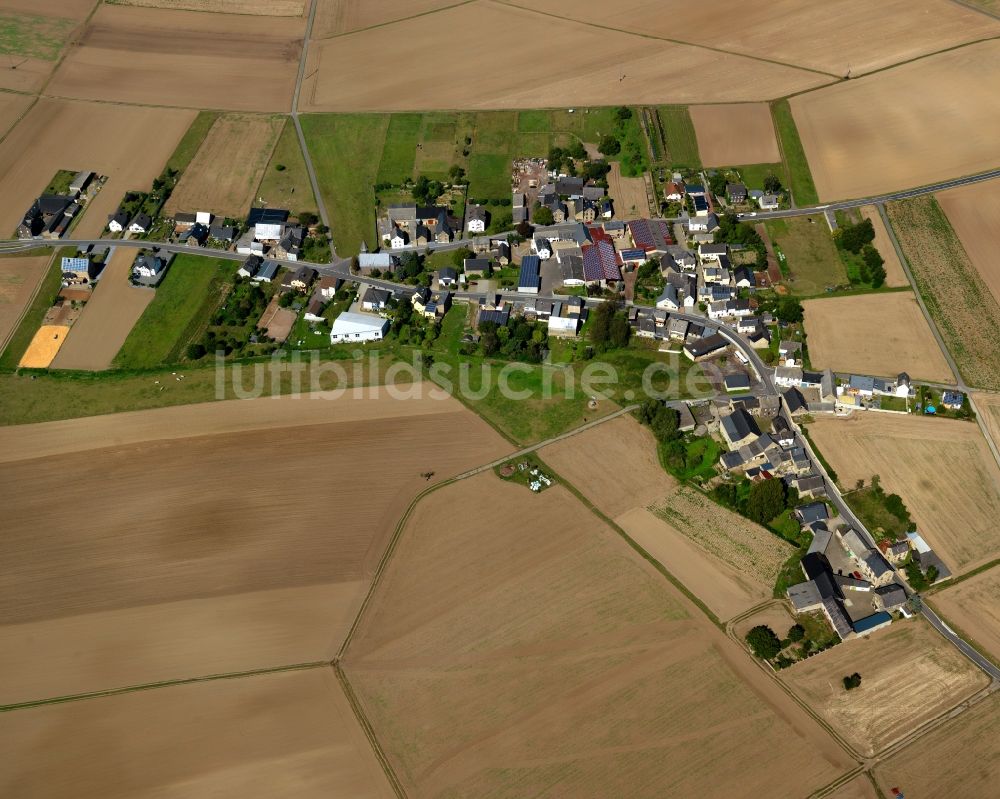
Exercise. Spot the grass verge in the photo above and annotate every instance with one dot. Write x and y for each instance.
(799, 175)
(681, 141)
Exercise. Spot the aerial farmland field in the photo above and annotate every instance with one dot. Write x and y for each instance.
(729, 135)
(942, 469)
(973, 606)
(471, 691)
(270, 8)
(19, 279)
(894, 274)
(974, 214)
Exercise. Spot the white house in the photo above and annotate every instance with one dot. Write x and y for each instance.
(475, 219)
(768, 202)
(788, 376)
(203, 218)
(668, 299)
(541, 247)
(703, 224)
(357, 327)
(141, 223)
(117, 223)
(564, 325)
(398, 239)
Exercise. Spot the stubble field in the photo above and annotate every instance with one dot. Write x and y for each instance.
(19, 278)
(12, 106)
(974, 214)
(959, 758)
(183, 58)
(286, 734)
(629, 194)
(942, 468)
(267, 8)
(169, 557)
(724, 560)
(335, 17)
(894, 274)
(34, 33)
(909, 675)
(973, 606)
(729, 135)
(129, 145)
(833, 37)
(225, 172)
(472, 691)
(107, 318)
(874, 334)
(873, 135)
(655, 72)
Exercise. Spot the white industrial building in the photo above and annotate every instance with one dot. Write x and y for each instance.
(357, 327)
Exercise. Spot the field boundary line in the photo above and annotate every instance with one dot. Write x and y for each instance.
(953, 581)
(368, 730)
(977, 8)
(68, 46)
(152, 686)
(393, 21)
(960, 632)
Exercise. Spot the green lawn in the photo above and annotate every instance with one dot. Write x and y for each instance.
(534, 121)
(33, 36)
(191, 140)
(681, 142)
(287, 188)
(47, 291)
(184, 301)
(799, 175)
(399, 152)
(753, 174)
(812, 256)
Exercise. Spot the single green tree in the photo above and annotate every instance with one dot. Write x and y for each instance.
(796, 633)
(609, 145)
(763, 642)
(542, 215)
(852, 681)
(766, 500)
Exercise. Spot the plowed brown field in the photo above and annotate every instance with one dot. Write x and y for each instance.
(342, 16)
(183, 58)
(974, 213)
(730, 135)
(19, 278)
(167, 556)
(942, 468)
(12, 106)
(473, 691)
(267, 8)
(287, 734)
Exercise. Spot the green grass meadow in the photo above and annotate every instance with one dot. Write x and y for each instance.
(32, 36)
(799, 175)
(681, 142)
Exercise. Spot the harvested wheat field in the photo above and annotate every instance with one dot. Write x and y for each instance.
(107, 318)
(184, 58)
(777, 615)
(735, 134)
(12, 107)
(858, 788)
(657, 72)
(942, 468)
(973, 606)
(129, 145)
(620, 687)
(874, 135)
(729, 563)
(959, 758)
(974, 214)
(241, 560)
(19, 280)
(894, 274)
(629, 194)
(874, 334)
(284, 734)
(909, 675)
(44, 346)
(833, 37)
(35, 32)
(267, 8)
(225, 172)
(334, 17)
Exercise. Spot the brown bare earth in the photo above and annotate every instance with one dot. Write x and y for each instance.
(184, 58)
(833, 37)
(874, 334)
(129, 145)
(224, 174)
(974, 213)
(287, 734)
(628, 194)
(342, 16)
(19, 278)
(858, 788)
(735, 134)
(727, 562)
(959, 758)
(973, 606)
(107, 319)
(942, 468)
(267, 8)
(909, 675)
(474, 692)
(655, 72)
(276, 321)
(255, 544)
(894, 274)
(874, 135)
(12, 106)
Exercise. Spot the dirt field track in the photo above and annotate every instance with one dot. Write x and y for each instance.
(129, 145)
(894, 274)
(107, 319)
(12, 106)
(873, 334)
(909, 675)
(224, 174)
(657, 72)
(184, 58)
(959, 758)
(219, 576)
(942, 468)
(870, 136)
(267, 8)
(974, 213)
(731, 135)
(833, 37)
(974, 607)
(473, 692)
(19, 277)
(693, 538)
(629, 194)
(288, 734)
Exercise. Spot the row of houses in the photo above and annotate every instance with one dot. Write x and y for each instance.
(563, 318)
(271, 231)
(50, 215)
(408, 225)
